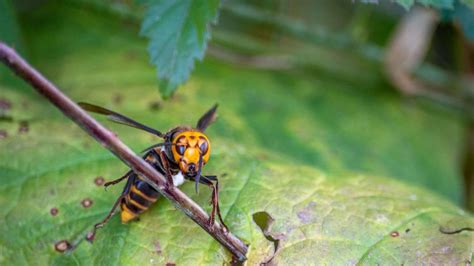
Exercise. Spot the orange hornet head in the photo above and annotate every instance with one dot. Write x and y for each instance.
(191, 150)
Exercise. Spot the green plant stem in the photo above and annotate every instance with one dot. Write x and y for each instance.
(110, 141)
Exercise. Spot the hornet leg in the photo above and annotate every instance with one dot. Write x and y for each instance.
(91, 235)
(118, 180)
(206, 180)
(131, 179)
(166, 167)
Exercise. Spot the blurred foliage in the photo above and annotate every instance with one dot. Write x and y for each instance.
(407, 4)
(349, 171)
(12, 35)
(470, 3)
(466, 18)
(9, 28)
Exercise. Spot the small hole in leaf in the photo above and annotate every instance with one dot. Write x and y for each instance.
(394, 234)
(62, 246)
(86, 203)
(99, 181)
(23, 127)
(157, 246)
(5, 104)
(54, 211)
(3, 134)
(90, 236)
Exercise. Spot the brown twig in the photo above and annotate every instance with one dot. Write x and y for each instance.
(110, 141)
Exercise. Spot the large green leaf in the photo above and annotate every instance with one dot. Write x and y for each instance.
(178, 33)
(340, 167)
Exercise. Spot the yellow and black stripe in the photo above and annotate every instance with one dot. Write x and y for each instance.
(138, 195)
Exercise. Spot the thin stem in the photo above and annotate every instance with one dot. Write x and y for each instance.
(110, 141)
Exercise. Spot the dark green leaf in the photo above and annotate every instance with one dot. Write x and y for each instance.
(178, 33)
(9, 34)
(9, 28)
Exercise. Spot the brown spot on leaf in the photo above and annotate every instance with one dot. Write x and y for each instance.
(158, 249)
(394, 234)
(54, 211)
(131, 54)
(170, 264)
(117, 98)
(3, 134)
(86, 203)
(155, 105)
(62, 246)
(99, 181)
(5, 104)
(306, 215)
(90, 236)
(24, 127)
